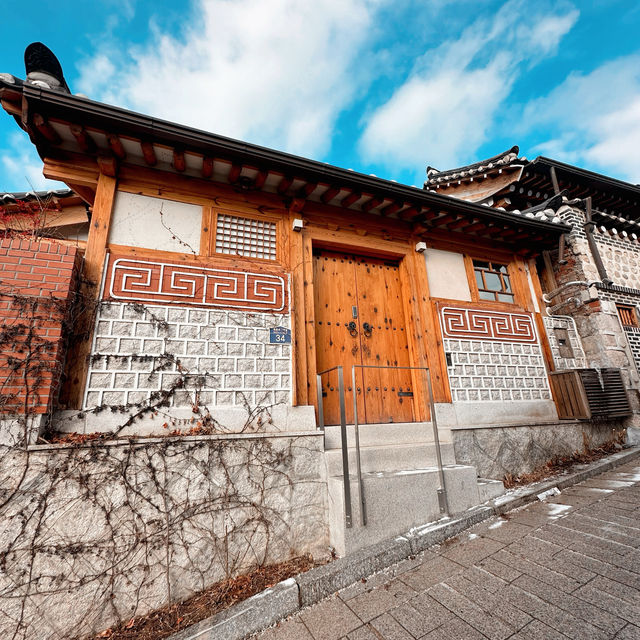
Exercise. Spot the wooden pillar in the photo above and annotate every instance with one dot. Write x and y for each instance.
(94, 259)
(299, 337)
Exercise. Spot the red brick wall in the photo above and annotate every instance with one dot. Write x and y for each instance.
(37, 281)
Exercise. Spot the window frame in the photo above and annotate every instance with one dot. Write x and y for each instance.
(632, 310)
(248, 215)
(473, 284)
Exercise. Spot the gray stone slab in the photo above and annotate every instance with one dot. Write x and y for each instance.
(380, 599)
(389, 628)
(421, 615)
(330, 619)
(471, 551)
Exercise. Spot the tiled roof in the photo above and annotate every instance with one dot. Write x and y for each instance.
(506, 158)
(32, 196)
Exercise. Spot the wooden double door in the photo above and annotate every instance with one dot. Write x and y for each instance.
(359, 320)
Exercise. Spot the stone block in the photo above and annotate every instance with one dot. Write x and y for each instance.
(227, 333)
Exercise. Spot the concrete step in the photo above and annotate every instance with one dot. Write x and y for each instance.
(373, 435)
(396, 457)
(395, 502)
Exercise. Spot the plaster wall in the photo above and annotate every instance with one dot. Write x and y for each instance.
(447, 275)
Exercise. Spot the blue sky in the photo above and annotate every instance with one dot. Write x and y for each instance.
(380, 86)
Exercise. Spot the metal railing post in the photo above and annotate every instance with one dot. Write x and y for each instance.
(363, 506)
(442, 491)
(345, 451)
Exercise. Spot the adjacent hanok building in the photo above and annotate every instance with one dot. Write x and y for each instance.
(264, 292)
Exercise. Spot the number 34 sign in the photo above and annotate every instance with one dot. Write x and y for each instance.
(279, 335)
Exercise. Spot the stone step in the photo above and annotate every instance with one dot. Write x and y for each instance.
(395, 502)
(373, 435)
(397, 457)
(489, 489)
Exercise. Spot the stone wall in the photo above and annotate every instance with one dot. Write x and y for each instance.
(496, 451)
(96, 534)
(560, 359)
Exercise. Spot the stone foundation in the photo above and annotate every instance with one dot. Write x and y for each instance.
(496, 451)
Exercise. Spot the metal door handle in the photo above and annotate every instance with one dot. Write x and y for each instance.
(367, 329)
(353, 329)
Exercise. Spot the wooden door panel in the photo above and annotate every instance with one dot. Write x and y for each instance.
(335, 295)
(388, 391)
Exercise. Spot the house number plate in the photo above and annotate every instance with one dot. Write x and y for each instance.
(279, 335)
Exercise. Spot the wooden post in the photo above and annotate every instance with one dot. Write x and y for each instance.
(94, 258)
(299, 341)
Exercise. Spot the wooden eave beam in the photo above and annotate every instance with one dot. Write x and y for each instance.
(86, 193)
(410, 214)
(149, 154)
(11, 107)
(179, 162)
(297, 205)
(462, 221)
(207, 167)
(45, 129)
(475, 227)
(116, 146)
(84, 140)
(445, 220)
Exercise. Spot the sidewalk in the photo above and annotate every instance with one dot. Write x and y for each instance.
(568, 567)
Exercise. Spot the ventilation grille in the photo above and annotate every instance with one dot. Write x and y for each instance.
(246, 237)
(589, 393)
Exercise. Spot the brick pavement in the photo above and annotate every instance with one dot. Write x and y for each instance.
(568, 567)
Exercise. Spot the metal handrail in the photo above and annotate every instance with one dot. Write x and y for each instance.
(343, 436)
(442, 490)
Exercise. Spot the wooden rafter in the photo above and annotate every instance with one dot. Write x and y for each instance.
(149, 154)
(350, 199)
(306, 190)
(45, 129)
(391, 208)
(461, 222)
(260, 179)
(329, 194)
(84, 140)
(116, 146)
(234, 173)
(284, 185)
(207, 167)
(179, 162)
(476, 226)
(371, 204)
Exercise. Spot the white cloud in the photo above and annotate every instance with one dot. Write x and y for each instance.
(594, 118)
(277, 73)
(445, 109)
(23, 168)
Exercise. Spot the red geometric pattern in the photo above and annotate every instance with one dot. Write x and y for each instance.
(150, 281)
(460, 322)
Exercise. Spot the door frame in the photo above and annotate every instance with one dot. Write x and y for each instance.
(412, 280)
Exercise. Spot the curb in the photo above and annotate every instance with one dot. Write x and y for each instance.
(287, 597)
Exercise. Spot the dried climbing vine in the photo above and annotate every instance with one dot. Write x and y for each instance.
(100, 529)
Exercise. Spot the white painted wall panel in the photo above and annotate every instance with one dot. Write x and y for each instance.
(447, 275)
(155, 223)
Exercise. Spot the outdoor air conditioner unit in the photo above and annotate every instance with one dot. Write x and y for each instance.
(590, 393)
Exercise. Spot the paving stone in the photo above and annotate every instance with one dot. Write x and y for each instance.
(389, 628)
(363, 633)
(472, 551)
(613, 588)
(536, 630)
(372, 603)
(601, 568)
(292, 629)
(567, 602)
(630, 632)
(536, 570)
(421, 615)
(480, 576)
(431, 572)
(600, 529)
(500, 570)
(489, 601)
(454, 629)
(330, 619)
(612, 604)
(505, 531)
(491, 626)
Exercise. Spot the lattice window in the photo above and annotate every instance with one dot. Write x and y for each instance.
(246, 237)
(628, 315)
(493, 281)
